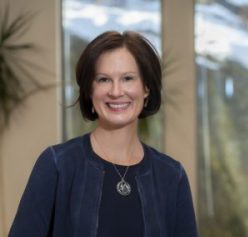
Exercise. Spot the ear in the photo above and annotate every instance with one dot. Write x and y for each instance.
(147, 92)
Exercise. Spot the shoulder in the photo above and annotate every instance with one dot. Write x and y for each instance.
(68, 147)
(163, 163)
(68, 153)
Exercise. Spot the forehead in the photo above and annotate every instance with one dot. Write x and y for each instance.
(118, 59)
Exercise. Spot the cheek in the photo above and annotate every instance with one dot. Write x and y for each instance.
(97, 95)
(136, 93)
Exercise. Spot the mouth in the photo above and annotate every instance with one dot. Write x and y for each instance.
(118, 106)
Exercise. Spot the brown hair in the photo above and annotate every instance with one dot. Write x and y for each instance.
(147, 60)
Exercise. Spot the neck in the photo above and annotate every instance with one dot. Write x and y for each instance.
(119, 146)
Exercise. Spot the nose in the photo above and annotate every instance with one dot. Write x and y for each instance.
(116, 89)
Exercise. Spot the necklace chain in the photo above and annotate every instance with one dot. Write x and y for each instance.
(122, 187)
(118, 172)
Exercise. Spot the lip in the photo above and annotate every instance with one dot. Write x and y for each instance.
(118, 106)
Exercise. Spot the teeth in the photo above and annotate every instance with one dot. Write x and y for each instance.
(118, 106)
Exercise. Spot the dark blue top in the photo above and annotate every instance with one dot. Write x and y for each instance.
(120, 215)
(63, 195)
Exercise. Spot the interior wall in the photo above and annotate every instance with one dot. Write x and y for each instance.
(36, 124)
(180, 85)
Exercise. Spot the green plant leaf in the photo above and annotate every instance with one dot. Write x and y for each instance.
(30, 64)
(27, 46)
(3, 26)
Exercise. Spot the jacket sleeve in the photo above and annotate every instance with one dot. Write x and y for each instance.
(185, 216)
(35, 210)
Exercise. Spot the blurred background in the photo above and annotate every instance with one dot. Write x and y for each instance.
(203, 121)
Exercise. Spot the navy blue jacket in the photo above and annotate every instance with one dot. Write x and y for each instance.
(63, 194)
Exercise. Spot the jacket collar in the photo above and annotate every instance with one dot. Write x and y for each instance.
(94, 160)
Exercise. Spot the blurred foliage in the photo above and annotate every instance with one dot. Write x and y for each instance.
(223, 141)
(228, 129)
(17, 76)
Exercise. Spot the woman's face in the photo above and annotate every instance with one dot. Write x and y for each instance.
(117, 92)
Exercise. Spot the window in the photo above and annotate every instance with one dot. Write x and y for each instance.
(222, 74)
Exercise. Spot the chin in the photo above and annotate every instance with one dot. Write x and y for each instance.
(119, 123)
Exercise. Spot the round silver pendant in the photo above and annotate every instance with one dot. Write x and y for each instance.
(123, 188)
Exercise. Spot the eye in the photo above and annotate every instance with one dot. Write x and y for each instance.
(102, 79)
(128, 78)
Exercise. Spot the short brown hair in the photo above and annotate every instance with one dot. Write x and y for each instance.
(147, 60)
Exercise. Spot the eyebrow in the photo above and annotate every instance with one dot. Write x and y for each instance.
(125, 73)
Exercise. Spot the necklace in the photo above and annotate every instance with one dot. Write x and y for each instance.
(122, 187)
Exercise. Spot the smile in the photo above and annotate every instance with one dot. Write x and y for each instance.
(118, 106)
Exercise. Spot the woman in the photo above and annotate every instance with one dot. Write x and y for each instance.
(107, 183)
